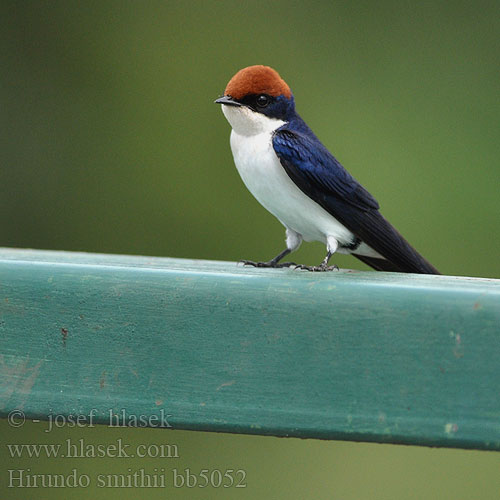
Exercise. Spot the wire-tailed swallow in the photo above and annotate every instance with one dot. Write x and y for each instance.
(291, 173)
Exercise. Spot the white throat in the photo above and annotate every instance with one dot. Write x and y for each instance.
(246, 122)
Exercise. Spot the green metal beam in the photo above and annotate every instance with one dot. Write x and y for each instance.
(214, 346)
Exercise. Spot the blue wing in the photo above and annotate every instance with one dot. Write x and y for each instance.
(321, 177)
(314, 164)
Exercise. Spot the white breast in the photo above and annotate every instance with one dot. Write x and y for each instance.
(264, 176)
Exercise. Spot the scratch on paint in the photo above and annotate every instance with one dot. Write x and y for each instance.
(458, 349)
(17, 380)
(450, 428)
(225, 384)
(102, 381)
(64, 333)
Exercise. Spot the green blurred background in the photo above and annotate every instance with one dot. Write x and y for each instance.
(110, 142)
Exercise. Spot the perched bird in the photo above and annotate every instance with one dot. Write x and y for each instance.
(291, 173)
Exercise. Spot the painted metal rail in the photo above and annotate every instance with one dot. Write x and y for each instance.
(214, 346)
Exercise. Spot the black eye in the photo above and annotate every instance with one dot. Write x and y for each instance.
(263, 100)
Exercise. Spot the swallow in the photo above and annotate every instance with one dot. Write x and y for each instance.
(294, 176)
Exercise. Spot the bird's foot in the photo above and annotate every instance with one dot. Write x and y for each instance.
(321, 268)
(267, 264)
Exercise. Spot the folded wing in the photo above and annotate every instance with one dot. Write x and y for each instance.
(319, 175)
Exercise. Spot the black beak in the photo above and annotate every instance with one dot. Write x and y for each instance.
(228, 100)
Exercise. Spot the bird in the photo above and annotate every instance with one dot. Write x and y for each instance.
(294, 176)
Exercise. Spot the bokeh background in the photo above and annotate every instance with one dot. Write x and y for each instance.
(110, 142)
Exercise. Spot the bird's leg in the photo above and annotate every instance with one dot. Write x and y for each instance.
(271, 263)
(332, 245)
(293, 241)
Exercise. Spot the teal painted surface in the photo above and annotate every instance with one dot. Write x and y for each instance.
(215, 346)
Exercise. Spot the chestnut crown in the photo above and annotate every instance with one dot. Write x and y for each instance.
(256, 80)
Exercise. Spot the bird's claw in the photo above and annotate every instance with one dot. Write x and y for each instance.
(320, 268)
(267, 264)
